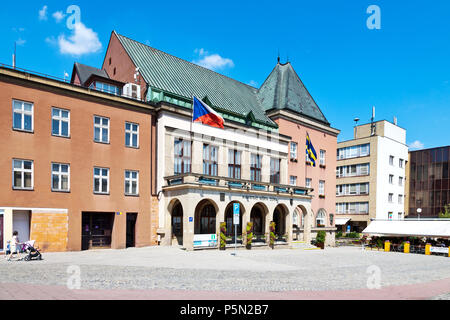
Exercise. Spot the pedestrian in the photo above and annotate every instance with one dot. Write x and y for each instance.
(8, 249)
(15, 245)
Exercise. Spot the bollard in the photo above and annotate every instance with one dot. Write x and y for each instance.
(428, 249)
(449, 251)
(387, 246)
(406, 247)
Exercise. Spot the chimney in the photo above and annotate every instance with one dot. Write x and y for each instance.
(395, 120)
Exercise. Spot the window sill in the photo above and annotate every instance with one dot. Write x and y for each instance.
(321, 196)
(101, 193)
(61, 191)
(132, 147)
(22, 189)
(322, 166)
(59, 136)
(101, 142)
(24, 131)
(293, 160)
(131, 195)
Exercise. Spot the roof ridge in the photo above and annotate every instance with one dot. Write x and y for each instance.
(199, 66)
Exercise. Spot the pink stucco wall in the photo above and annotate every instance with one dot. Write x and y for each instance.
(321, 141)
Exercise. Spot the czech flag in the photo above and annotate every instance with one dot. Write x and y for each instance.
(205, 114)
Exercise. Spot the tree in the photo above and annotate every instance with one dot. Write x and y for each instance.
(446, 213)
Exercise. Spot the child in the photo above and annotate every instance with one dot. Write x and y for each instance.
(8, 249)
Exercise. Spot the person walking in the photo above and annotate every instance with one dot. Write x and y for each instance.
(15, 245)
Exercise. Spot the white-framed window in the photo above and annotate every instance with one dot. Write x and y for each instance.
(353, 170)
(60, 122)
(293, 180)
(293, 154)
(101, 180)
(23, 119)
(210, 156)
(60, 177)
(391, 179)
(400, 199)
(23, 174)
(321, 187)
(400, 181)
(131, 135)
(131, 182)
(101, 129)
(391, 197)
(400, 163)
(353, 151)
(322, 157)
(320, 219)
(391, 160)
(308, 182)
(352, 189)
(352, 207)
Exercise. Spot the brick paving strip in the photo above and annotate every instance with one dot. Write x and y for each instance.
(19, 291)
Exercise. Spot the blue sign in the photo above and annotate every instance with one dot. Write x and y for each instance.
(191, 219)
(236, 212)
(348, 228)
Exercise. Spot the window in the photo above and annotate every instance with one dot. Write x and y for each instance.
(391, 160)
(60, 177)
(353, 170)
(322, 157)
(22, 174)
(320, 219)
(22, 116)
(321, 188)
(400, 181)
(308, 182)
(255, 167)
(352, 189)
(60, 122)
(182, 156)
(391, 179)
(209, 160)
(131, 135)
(293, 180)
(353, 151)
(293, 151)
(234, 164)
(400, 215)
(101, 129)
(400, 163)
(274, 170)
(101, 180)
(131, 182)
(400, 199)
(105, 87)
(390, 197)
(352, 207)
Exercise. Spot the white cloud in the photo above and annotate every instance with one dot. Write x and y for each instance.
(43, 13)
(212, 61)
(58, 16)
(416, 145)
(83, 41)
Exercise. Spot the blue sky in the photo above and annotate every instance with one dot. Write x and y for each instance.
(403, 69)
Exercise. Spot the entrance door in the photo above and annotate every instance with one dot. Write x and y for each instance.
(96, 230)
(131, 229)
(177, 224)
(1, 232)
(21, 224)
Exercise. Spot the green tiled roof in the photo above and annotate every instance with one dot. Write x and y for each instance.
(170, 74)
(283, 89)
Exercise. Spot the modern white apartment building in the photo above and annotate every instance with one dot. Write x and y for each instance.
(371, 175)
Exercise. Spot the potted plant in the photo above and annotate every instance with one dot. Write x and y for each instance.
(223, 237)
(320, 239)
(249, 232)
(272, 234)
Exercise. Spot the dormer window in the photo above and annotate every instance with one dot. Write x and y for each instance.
(105, 87)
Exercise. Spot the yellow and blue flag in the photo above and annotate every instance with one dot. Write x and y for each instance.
(310, 151)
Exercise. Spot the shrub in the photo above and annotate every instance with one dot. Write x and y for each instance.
(249, 231)
(320, 238)
(272, 234)
(352, 235)
(223, 237)
(339, 234)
